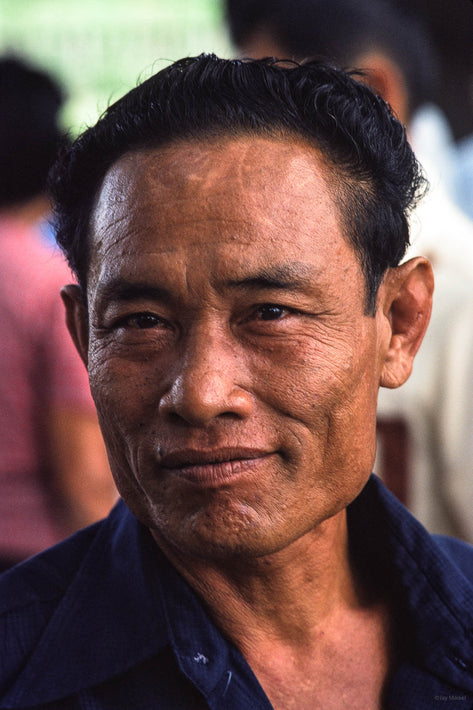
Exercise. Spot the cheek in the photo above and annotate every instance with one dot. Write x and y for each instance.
(120, 386)
(119, 393)
(328, 391)
(120, 412)
(310, 375)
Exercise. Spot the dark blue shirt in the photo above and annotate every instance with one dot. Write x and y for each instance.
(104, 622)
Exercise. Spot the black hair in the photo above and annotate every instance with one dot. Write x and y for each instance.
(340, 30)
(375, 176)
(30, 101)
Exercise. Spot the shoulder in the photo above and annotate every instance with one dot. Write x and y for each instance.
(29, 596)
(45, 576)
(99, 589)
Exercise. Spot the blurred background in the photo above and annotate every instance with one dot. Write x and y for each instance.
(99, 49)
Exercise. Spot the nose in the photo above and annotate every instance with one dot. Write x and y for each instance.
(207, 382)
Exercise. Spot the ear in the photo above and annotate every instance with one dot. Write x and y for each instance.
(407, 303)
(77, 319)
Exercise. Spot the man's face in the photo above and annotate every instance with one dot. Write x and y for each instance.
(234, 369)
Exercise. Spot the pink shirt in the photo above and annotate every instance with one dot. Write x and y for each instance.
(39, 369)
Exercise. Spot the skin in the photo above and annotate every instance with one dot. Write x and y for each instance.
(235, 373)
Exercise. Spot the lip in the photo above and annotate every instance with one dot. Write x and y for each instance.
(214, 466)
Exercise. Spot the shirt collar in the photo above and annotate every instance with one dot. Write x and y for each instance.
(434, 595)
(124, 605)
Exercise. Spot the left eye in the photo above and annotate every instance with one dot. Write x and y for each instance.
(271, 312)
(143, 320)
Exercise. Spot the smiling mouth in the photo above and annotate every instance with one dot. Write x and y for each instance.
(213, 468)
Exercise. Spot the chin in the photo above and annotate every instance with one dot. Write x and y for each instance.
(219, 537)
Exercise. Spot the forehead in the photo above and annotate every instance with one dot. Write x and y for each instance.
(257, 167)
(253, 196)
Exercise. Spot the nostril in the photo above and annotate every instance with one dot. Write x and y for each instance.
(199, 400)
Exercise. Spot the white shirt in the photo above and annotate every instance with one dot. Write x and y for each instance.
(437, 400)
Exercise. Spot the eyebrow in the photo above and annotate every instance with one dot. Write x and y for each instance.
(121, 289)
(291, 275)
(288, 276)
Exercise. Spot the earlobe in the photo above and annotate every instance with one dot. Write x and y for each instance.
(408, 293)
(76, 319)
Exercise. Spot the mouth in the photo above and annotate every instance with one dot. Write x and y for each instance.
(211, 468)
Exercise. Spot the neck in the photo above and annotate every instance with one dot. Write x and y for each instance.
(288, 597)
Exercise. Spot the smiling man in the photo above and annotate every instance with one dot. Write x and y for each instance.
(236, 229)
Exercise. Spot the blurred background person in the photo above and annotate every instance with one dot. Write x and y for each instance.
(100, 49)
(451, 29)
(427, 460)
(392, 44)
(54, 475)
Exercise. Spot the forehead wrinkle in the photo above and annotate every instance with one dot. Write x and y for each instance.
(101, 225)
(210, 213)
(237, 225)
(184, 168)
(193, 163)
